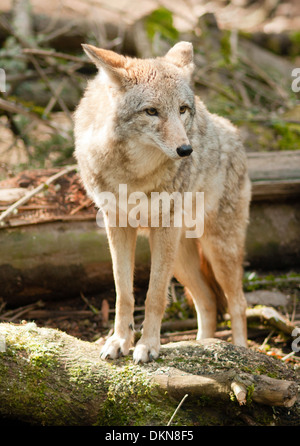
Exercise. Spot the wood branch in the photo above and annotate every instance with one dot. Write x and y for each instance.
(240, 392)
(51, 378)
(264, 76)
(32, 314)
(180, 325)
(11, 194)
(5, 24)
(274, 281)
(270, 316)
(35, 191)
(57, 54)
(207, 83)
(12, 315)
(12, 107)
(265, 390)
(56, 95)
(68, 33)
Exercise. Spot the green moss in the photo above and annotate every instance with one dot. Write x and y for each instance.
(295, 43)
(250, 390)
(128, 396)
(132, 400)
(226, 46)
(160, 22)
(288, 135)
(39, 364)
(270, 136)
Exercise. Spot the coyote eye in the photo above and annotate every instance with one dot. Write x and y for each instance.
(151, 111)
(183, 109)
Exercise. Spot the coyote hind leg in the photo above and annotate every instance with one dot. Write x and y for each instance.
(226, 260)
(187, 272)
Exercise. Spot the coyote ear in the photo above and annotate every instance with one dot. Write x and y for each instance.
(112, 63)
(182, 56)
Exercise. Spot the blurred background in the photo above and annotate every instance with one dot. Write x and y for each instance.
(245, 51)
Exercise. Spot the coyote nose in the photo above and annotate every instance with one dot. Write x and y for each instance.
(184, 150)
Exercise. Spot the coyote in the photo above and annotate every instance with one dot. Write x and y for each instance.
(140, 124)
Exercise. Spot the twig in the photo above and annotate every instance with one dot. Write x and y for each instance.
(11, 107)
(48, 84)
(277, 280)
(7, 26)
(85, 204)
(59, 314)
(91, 307)
(47, 53)
(12, 315)
(242, 90)
(264, 76)
(266, 340)
(262, 90)
(217, 88)
(105, 312)
(177, 408)
(240, 391)
(287, 356)
(35, 191)
(2, 306)
(21, 77)
(33, 207)
(57, 33)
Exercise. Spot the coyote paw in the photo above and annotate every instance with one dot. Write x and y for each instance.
(115, 347)
(145, 352)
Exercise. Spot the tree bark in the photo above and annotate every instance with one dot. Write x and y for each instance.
(51, 378)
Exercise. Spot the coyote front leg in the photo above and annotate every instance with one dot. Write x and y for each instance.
(122, 247)
(164, 243)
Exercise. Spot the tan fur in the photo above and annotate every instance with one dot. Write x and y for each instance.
(117, 142)
(209, 276)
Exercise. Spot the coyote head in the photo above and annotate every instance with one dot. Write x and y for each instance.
(152, 98)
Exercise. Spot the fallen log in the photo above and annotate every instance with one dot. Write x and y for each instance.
(272, 317)
(51, 378)
(265, 390)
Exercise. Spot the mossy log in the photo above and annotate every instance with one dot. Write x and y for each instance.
(51, 378)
